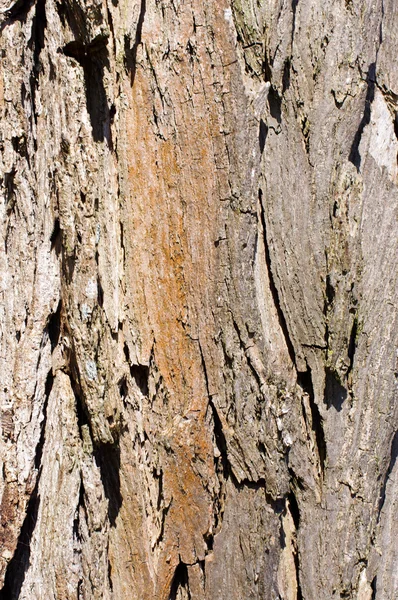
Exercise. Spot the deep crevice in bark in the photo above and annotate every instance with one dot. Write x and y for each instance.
(355, 156)
(304, 379)
(72, 14)
(81, 409)
(19, 144)
(108, 460)
(296, 559)
(373, 585)
(294, 509)
(180, 581)
(220, 441)
(19, 564)
(262, 135)
(9, 186)
(266, 68)
(94, 59)
(18, 11)
(275, 104)
(130, 52)
(330, 294)
(76, 520)
(294, 11)
(393, 459)
(123, 388)
(81, 413)
(37, 44)
(335, 393)
(56, 237)
(100, 293)
(273, 288)
(40, 445)
(110, 576)
(140, 374)
(352, 344)
(77, 534)
(54, 326)
(305, 130)
(164, 509)
(223, 467)
(286, 75)
(290, 504)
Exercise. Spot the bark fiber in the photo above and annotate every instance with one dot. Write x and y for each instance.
(198, 280)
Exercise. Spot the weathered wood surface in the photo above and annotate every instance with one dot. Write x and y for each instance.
(198, 299)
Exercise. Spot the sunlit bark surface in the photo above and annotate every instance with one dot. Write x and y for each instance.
(198, 280)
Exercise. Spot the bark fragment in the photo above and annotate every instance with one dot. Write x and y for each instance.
(198, 283)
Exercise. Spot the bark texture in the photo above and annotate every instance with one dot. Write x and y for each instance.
(198, 299)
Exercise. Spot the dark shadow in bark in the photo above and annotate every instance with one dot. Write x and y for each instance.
(355, 156)
(9, 185)
(267, 68)
(39, 450)
(130, 52)
(36, 44)
(92, 55)
(335, 392)
(275, 104)
(19, 564)
(262, 135)
(140, 374)
(393, 459)
(72, 15)
(286, 76)
(56, 237)
(294, 11)
(330, 293)
(304, 379)
(18, 12)
(180, 580)
(54, 326)
(295, 513)
(108, 460)
(294, 509)
(273, 287)
(94, 59)
(19, 144)
(373, 585)
(352, 345)
(123, 388)
(221, 442)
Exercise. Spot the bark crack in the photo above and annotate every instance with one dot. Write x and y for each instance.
(393, 459)
(304, 379)
(93, 57)
(131, 52)
(355, 157)
(19, 564)
(272, 284)
(180, 581)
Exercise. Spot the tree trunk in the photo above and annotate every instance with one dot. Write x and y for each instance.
(198, 299)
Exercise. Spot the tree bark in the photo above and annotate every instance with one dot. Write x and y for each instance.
(198, 299)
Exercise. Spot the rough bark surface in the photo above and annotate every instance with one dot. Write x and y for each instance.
(198, 299)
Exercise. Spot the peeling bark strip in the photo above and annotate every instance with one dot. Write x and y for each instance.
(198, 300)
